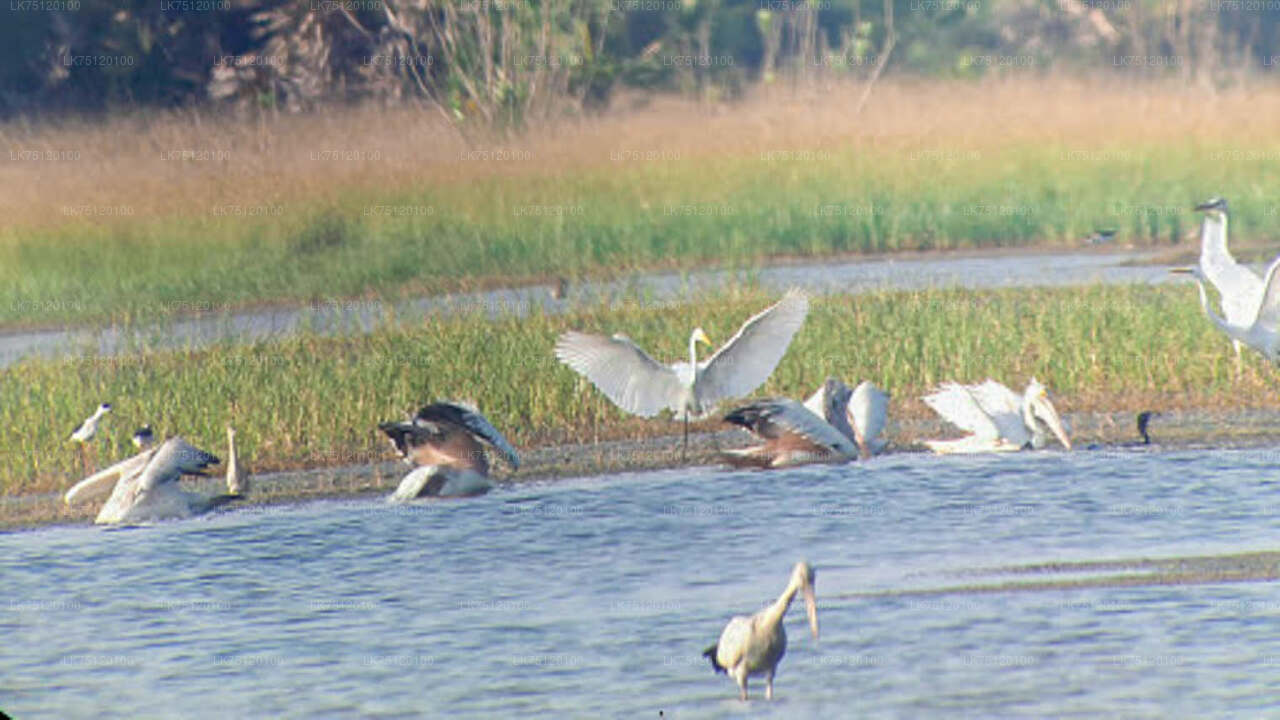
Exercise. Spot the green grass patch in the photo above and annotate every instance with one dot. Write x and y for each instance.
(313, 401)
(734, 210)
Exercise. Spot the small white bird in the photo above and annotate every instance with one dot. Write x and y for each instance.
(754, 645)
(996, 418)
(444, 441)
(1261, 330)
(1240, 287)
(85, 431)
(640, 385)
(146, 488)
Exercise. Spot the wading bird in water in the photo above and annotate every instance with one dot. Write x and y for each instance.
(996, 418)
(444, 441)
(754, 645)
(640, 385)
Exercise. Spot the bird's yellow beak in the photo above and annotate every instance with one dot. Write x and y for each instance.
(702, 338)
(1181, 271)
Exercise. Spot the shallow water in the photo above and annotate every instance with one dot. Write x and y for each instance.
(594, 597)
(358, 316)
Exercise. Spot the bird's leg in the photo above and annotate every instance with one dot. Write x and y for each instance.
(684, 449)
(768, 686)
(1239, 360)
(742, 687)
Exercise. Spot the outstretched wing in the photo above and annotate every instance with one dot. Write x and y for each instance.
(868, 412)
(175, 458)
(958, 406)
(1269, 309)
(777, 418)
(1004, 407)
(622, 371)
(747, 360)
(831, 403)
(473, 422)
(103, 480)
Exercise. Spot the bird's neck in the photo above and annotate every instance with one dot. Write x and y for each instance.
(232, 463)
(693, 352)
(773, 614)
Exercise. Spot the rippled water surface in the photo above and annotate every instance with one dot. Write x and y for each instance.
(594, 597)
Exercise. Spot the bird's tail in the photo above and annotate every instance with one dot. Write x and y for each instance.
(710, 654)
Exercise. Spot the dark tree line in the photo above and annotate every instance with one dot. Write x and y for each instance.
(504, 61)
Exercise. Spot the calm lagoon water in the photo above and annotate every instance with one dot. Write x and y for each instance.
(594, 597)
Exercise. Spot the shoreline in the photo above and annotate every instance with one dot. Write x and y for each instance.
(1091, 432)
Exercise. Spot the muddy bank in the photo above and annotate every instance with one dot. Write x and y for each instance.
(1172, 430)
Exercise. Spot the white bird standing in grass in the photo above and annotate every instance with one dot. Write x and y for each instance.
(444, 441)
(146, 487)
(1261, 330)
(755, 645)
(85, 431)
(1240, 287)
(640, 385)
(996, 418)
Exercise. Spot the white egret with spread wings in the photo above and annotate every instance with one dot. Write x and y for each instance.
(640, 385)
(754, 645)
(996, 418)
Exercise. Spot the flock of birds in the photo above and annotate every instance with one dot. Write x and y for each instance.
(448, 443)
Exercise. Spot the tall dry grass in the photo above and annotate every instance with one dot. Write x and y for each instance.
(150, 214)
(184, 162)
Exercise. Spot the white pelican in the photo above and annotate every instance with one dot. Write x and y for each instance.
(640, 385)
(146, 487)
(85, 431)
(443, 440)
(1240, 288)
(795, 434)
(755, 645)
(1259, 330)
(998, 420)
